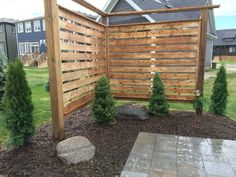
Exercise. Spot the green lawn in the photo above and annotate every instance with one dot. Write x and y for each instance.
(41, 100)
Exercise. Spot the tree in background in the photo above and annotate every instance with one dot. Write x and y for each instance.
(220, 93)
(158, 104)
(3, 60)
(103, 105)
(17, 105)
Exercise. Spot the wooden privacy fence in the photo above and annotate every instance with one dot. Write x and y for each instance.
(81, 51)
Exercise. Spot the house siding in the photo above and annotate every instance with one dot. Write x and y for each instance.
(209, 52)
(33, 36)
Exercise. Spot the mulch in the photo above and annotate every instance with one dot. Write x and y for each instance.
(113, 143)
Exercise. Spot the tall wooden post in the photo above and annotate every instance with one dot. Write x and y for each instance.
(202, 50)
(105, 21)
(54, 66)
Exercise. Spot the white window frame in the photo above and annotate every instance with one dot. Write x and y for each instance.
(27, 47)
(44, 25)
(232, 49)
(37, 26)
(28, 27)
(21, 48)
(20, 27)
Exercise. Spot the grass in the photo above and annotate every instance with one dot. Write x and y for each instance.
(41, 99)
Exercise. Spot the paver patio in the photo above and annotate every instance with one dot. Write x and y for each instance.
(158, 155)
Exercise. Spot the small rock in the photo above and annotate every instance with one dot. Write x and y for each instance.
(132, 111)
(76, 149)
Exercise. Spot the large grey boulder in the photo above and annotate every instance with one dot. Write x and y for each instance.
(76, 149)
(132, 111)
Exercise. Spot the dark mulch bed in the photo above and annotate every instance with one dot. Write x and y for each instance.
(113, 143)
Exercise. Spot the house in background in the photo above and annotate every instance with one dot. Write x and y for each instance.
(8, 44)
(139, 5)
(31, 36)
(225, 45)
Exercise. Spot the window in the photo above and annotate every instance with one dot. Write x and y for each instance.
(2, 47)
(1, 29)
(21, 48)
(37, 26)
(28, 27)
(232, 49)
(27, 47)
(20, 27)
(44, 25)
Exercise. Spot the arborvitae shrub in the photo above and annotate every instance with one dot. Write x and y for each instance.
(2, 80)
(17, 105)
(198, 105)
(220, 93)
(103, 105)
(158, 104)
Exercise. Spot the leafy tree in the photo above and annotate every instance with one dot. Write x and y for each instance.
(17, 105)
(158, 104)
(220, 93)
(103, 105)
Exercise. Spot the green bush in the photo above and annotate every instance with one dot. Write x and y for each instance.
(17, 105)
(220, 93)
(198, 105)
(158, 104)
(103, 105)
(3, 63)
(47, 87)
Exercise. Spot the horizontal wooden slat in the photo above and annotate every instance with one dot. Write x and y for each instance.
(147, 96)
(170, 25)
(159, 55)
(78, 18)
(180, 83)
(71, 106)
(75, 94)
(82, 73)
(154, 33)
(80, 29)
(83, 82)
(80, 38)
(81, 56)
(153, 69)
(162, 40)
(153, 62)
(81, 47)
(81, 65)
(135, 49)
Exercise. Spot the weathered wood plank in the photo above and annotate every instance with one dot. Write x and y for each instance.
(153, 62)
(82, 56)
(154, 33)
(155, 26)
(81, 47)
(81, 65)
(149, 41)
(135, 49)
(159, 55)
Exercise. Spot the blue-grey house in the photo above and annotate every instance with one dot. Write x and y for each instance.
(31, 36)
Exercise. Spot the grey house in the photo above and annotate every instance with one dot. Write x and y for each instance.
(8, 44)
(138, 5)
(225, 44)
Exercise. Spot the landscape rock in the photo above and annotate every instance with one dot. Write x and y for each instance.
(132, 111)
(76, 149)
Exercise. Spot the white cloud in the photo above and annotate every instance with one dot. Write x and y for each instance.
(23, 9)
(227, 7)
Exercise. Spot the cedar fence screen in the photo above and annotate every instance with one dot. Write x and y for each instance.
(81, 50)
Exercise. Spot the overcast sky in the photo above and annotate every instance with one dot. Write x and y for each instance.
(23, 9)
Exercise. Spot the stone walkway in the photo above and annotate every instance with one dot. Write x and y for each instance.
(157, 155)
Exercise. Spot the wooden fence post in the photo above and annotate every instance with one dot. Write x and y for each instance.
(54, 66)
(202, 50)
